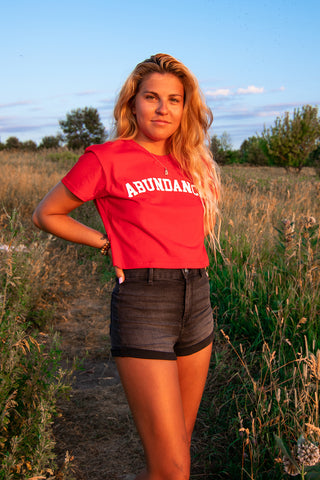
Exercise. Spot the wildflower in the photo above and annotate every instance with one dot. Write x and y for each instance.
(309, 221)
(308, 454)
(289, 467)
(288, 229)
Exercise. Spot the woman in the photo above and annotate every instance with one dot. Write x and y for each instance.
(156, 188)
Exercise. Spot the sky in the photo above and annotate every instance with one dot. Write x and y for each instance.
(254, 59)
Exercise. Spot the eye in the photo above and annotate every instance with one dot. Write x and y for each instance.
(175, 100)
(150, 96)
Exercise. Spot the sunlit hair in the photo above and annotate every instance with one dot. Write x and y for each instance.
(189, 144)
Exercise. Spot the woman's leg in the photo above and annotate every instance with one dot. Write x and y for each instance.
(164, 397)
(193, 371)
(153, 392)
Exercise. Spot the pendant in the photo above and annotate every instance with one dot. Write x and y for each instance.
(166, 172)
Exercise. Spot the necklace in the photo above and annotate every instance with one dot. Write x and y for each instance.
(157, 159)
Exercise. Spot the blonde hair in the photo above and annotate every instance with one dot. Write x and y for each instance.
(189, 143)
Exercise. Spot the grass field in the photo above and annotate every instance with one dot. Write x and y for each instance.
(265, 285)
(265, 288)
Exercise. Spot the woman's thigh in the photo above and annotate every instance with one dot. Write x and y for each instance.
(154, 396)
(193, 371)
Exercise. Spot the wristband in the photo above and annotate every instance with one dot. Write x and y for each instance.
(104, 250)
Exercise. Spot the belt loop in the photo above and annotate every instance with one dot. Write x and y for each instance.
(150, 275)
(202, 272)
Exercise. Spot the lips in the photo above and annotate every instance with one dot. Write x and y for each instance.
(161, 122)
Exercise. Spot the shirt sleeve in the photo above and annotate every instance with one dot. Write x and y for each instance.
(86, 179)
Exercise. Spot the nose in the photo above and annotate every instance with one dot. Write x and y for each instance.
(162, 107)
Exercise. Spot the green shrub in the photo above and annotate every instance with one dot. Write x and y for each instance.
(30, 375)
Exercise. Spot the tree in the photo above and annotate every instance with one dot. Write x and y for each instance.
(225, 141)
(254, 150)
(83, 127)
(291, 140)
(13, 143)
(314, 159)
(29, 145)
(217, 150)
(221, 149)
(51, 141)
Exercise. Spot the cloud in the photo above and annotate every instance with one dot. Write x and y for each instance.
(234, 115)
(282, 106)
(220, 92)
(228, 92)
(6, 119)
(261, 111)
(15, 104)
(251, 89)
(25, 128)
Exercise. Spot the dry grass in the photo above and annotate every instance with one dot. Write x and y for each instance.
(27, 177)
(258, 199)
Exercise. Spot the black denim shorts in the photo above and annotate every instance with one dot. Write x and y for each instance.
(161, 313)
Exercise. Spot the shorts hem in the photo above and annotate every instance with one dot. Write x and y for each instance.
(156, 355)
(184, 351)
(141, 353)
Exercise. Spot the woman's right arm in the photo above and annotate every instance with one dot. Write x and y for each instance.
(52, 215)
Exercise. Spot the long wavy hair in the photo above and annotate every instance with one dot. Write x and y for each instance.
(189, 143)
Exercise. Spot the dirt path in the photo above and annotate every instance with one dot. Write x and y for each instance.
(95, 425)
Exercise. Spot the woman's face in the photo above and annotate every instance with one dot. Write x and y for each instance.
(158, 109)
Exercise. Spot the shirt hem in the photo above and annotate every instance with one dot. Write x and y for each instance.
(164, 265)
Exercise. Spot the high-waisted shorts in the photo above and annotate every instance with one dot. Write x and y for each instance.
(161, 313)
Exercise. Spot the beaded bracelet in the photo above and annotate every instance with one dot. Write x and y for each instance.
(106, 247)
